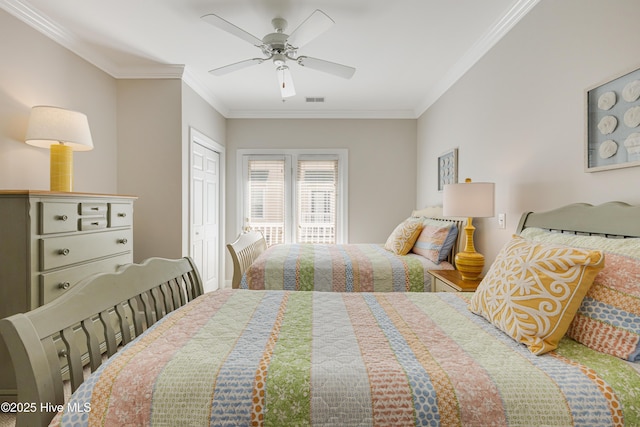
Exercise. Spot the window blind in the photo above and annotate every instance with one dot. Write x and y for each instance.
(294, 196)
(316, 200)
(266, 190)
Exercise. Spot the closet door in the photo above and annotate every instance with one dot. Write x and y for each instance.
(205, 216)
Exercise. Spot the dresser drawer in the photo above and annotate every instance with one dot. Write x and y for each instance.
(120, 215)
(58, 217)
(87, 224)
(93, 209)
(56, 283)
(440, 286)
(66, 250)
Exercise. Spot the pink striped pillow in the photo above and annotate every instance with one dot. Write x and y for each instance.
(608, 319)
(435, 240)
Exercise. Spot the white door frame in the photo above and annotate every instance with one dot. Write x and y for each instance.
(197, 137)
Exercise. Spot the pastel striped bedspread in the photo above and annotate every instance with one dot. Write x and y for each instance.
(339, 268)
(280, 358)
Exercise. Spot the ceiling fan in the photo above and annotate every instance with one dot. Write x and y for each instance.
(280, 47)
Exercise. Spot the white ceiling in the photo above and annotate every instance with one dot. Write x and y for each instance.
(407, 52)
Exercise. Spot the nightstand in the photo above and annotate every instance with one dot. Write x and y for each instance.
(451, 281)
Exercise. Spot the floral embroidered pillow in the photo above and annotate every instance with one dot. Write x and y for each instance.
(404, 236)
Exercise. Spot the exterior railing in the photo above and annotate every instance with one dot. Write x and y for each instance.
(273, 232)
(317, 233)
(307, 233)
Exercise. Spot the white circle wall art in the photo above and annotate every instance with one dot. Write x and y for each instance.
(607, 100)
(632, 117)
(631, 91)
(607, 125)
(632, 143)
(608, 149)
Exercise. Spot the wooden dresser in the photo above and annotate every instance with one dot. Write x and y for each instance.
(48, 242)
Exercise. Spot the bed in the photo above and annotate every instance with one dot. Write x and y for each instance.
(425, 241)
(247, 357)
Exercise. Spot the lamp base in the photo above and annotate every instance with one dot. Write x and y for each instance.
(61, 168)
(469, 264)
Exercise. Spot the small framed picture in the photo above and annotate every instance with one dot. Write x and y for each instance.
(448, 168)
(612, 123)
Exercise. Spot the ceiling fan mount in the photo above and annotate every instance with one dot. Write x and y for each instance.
(281, 47)
(279, 24)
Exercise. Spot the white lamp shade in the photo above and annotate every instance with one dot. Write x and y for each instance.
(470, 199)
(53, 125)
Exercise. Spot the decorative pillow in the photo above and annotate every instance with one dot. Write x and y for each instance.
(404, 236)
(533, 290)
(435, 240)
(608, 319)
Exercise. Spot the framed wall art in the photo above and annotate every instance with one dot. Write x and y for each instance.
(448, 168)
(612, 123)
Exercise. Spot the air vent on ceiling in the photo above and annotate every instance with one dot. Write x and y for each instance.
(315, 98)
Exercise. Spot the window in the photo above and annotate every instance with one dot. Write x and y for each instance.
(316, 200)
(294, 196)
(266, 197)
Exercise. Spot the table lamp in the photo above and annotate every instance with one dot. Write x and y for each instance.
(469, 199)
(63, 132)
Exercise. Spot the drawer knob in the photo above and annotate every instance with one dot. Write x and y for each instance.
(64, 285)
(64, 251)
(62, 217)
(62, 353)
(123, 241)
(122, 214)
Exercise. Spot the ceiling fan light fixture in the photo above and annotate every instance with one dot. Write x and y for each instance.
(279, 60)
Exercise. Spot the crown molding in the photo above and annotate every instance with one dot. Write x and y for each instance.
(325, 114)
(36, 19)
(196, 84)
(154, 71)
(477, 51)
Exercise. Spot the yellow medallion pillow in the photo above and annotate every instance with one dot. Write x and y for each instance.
(533, 290)
(404, 236)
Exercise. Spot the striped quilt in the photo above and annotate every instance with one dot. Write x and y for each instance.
(339, 268)
(280, 358)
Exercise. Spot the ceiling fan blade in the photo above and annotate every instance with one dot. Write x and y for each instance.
(236, 66)
(286, 81)
(227, 26)
(317, 23)
(339, 70)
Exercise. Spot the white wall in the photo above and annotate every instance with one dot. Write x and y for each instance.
(382, 166)
(36, 71)
(517, 116)
(150, 163)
